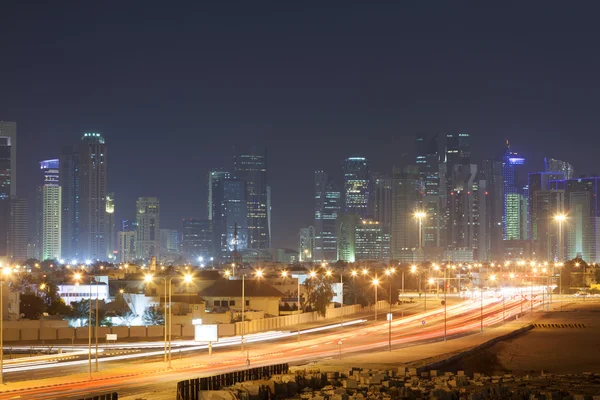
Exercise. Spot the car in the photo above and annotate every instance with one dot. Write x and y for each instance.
(581, 294)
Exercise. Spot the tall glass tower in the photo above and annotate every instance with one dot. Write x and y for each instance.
(356, 186)
(511, 211)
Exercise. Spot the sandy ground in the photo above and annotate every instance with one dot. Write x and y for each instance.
(553, 350)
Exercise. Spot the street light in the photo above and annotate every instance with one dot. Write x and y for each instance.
(259, 274)
(420, 215)
(77, 276)
(148, 278)
(560, 218)
(375, 284)
(389, 273)
(5, 272)
(187, 279)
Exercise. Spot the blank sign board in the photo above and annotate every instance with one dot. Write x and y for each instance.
(206, 333)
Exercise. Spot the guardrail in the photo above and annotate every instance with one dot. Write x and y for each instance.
(107, 396)
(190, 388)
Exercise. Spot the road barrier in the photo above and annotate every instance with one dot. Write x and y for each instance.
(107, 396)
(559, 325)
(190, 388)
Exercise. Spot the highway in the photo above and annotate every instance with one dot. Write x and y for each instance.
(144, 367)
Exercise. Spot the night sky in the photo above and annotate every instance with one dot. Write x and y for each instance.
(172, 87)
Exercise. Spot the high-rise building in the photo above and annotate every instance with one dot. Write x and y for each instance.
(328, 204)
(235, 217)
(51, 207)
(92, 197)
(428, 162)
(544, 204)
(563, 167)
(357, 182)
(406, 200)
(250, 165)
(510, 161)
(346, 236)
(148, 227)
(170, 245)
(127, 245)
(491, 171)
(458, 149)
(582, 203)
(368, 241)
(18, 229)
(111, 237)
(8, 159)
(216, 182)
(198, 240)
(69, 182)
(381, 210)
(306, 244)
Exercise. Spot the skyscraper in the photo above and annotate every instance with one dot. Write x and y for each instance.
(510, 161)
(235, 217)
(306, 244)
(148, 226)
(18, 229)
(170, 245)
(328, 205)
(51, 210)
(197, 240)
(69, 181)
(381, 210)
(544, 204)
(428, 162)
(127, 245)
(8, 159)
(216, 179)
(368, 241)
(357, 181)
(250, 165)
(563, 167)
(92, 197)
(346, 236)
(406, 200)
(491, 171)
(111, 237)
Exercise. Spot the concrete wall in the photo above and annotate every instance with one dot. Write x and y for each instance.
(156, 331)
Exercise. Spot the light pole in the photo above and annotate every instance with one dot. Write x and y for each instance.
(5, 272)
(187, 279)
(429, 283)
(375, 284)
(560, 218)
(420, 215)
(148, 278)
(389, 273)
(77, 278)
(445, 303)
(481, 306)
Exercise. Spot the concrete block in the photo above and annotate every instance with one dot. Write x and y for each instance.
(102, 331)
(82, 332)
(121, 331)
(65, 333)
(156, 331)
(137, 332)
(48, 334)
(30, 334)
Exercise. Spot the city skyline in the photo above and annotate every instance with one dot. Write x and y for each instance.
(367, 102)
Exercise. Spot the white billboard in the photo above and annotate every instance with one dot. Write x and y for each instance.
(206, 333)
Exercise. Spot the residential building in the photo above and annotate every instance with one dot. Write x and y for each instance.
(92, 197)
(250, 166)
(148, 227)
(357, 182)
(259, 295)
(328, 204)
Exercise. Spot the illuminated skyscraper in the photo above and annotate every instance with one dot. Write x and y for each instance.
(544, 204)
(250, 165)
(381, 210)
(111, 237)
(368, 242)
(428, 162)
(346, 236)
(406, 200)
(51, 211)
(235, 217)
(328, 205)
(148, 228)
(8, 159)
(558, 166)
(510, 161)
(357, 181)
(306, 244)
(92, 197)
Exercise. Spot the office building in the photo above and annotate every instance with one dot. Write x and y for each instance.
(111, 236)
(51, 207)
(381, 210)
(235, 217)
(170, 245)
(69, 182)
(510, 162)
(198, 240)
(406, 200)
(544, 204)
(216, 181)
(92, 197)
(368, 242)
(306, 244)
(8, 159)
(346, 236)
(250, 166)
(127, 246)
(328, 205)
(357, 182)
(428, 163)
(558, 166)
(491, 171)
(18, 228)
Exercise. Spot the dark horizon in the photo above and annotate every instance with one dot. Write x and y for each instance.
(174, 89)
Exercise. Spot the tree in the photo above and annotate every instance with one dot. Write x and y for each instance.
(126, 315)
(32, 306)
(320, 295)
(79, 312)
(154, 315)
